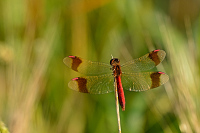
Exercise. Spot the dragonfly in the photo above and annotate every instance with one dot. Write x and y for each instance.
(132, 75)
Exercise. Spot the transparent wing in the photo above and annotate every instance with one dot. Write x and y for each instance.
(145, 62)
(86, 67)
(143, 81)
(93, 84)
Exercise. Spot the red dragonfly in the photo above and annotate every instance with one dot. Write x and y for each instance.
(128, 76)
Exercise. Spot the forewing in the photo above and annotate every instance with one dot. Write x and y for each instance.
(85, 66)
(143, 81)
(145, 62)
(93, 84)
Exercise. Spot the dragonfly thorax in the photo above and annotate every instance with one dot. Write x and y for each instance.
(116, 68)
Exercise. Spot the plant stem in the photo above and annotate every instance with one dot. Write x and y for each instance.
(117, 107)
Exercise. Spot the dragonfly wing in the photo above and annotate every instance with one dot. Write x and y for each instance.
(93, 84)
(143, 81)
(85, 66)
(145, 62)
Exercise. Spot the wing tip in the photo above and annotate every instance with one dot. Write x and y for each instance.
(79, 84)
(162, 53)
(157, 56)
(165, 78)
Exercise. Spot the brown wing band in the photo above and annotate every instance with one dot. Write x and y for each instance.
(154, 56)
(155, 78)
(75, 62)
(82, 82)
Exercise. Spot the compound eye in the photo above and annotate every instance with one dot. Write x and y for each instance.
(111, 61)
(116, 60)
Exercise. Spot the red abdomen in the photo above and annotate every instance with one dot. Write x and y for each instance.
(120, 93)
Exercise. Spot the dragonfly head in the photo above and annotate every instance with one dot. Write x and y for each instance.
(114, 62)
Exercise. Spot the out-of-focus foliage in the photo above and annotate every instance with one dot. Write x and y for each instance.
(35, 36)
(3, 128)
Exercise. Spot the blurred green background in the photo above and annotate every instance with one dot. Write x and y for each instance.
(35, 36)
